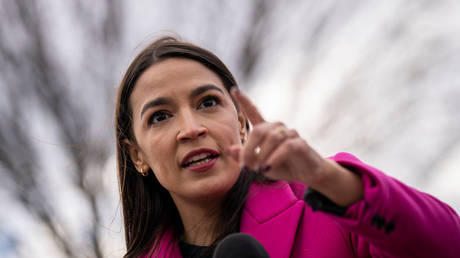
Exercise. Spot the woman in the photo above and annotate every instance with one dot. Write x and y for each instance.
(191, 172)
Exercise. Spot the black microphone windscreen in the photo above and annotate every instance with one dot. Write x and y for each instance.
(240, 245)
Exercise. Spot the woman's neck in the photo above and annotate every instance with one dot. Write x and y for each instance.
(199, 220)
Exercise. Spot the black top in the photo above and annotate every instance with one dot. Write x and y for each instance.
(193, 251)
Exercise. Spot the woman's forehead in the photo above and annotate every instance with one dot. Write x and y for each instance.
(175, 74)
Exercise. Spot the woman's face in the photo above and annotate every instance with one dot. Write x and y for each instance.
(183, 120)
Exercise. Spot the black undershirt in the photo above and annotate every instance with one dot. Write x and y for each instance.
(192, 251)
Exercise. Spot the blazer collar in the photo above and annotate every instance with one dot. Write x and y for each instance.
(272, 213)
(266, 200)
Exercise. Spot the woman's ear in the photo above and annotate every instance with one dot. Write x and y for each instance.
(136, 155)
(243, 127)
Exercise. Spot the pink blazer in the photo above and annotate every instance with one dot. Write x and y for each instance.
(393, 220)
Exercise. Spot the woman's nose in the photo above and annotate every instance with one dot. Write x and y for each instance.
(191, 129)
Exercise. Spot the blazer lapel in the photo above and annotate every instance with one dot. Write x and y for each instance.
(271, 215)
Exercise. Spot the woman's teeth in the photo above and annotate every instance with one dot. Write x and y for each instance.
(199, 157)
(200, 162)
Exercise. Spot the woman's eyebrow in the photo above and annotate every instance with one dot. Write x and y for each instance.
(199, 90)
(156, 102)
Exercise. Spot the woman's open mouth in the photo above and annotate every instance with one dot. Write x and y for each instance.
(200, 160)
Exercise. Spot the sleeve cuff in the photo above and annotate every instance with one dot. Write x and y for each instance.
(319, 202)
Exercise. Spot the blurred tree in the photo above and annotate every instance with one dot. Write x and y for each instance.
(36, 81)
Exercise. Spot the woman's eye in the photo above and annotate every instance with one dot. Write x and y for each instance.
(209, 102)
(158, 117)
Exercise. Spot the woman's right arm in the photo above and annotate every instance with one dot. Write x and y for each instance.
(397, 220)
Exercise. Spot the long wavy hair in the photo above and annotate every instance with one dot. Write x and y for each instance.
(148, 209)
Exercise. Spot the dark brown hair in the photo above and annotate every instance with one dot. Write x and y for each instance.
(148, 209)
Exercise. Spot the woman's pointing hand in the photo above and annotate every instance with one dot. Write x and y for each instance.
(281, 154)
(274, 150)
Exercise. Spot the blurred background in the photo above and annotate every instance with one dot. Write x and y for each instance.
(379, 79)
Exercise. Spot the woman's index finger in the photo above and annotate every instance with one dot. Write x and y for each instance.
(247, 107)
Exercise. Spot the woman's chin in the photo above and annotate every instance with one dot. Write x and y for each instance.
(208, 191)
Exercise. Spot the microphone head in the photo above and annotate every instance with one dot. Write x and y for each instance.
(240, 245)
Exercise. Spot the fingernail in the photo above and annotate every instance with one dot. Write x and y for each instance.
(264, 169)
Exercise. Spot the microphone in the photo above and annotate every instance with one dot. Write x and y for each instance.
(240, 245)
